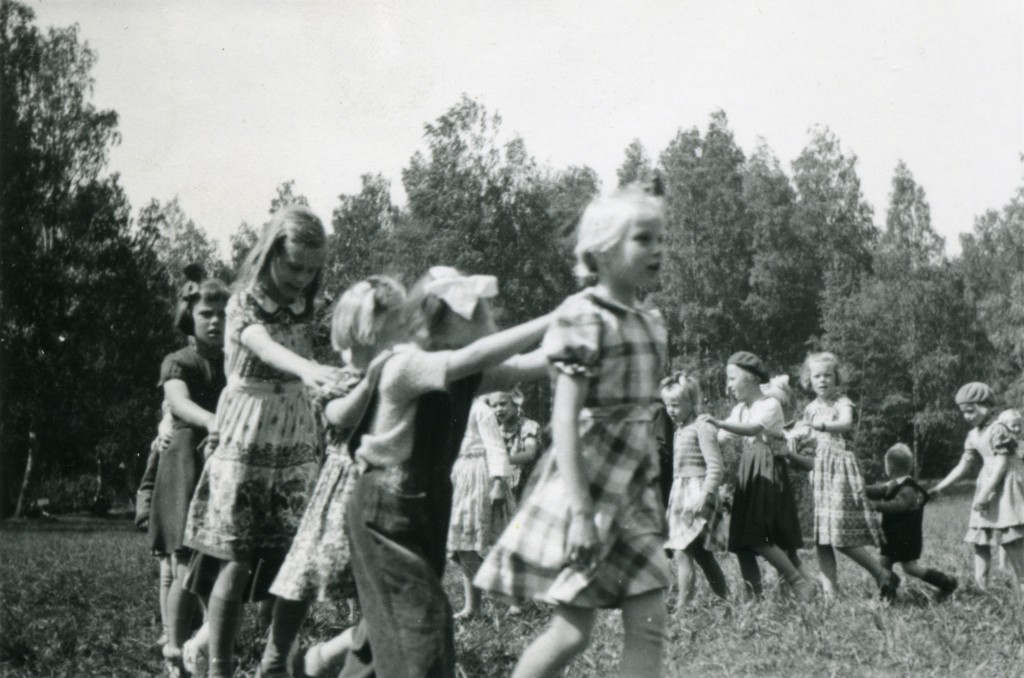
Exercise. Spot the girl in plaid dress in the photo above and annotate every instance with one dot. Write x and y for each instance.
(254, 487)
(591, 533)
(997, 512)
(695, 505)
(318, 567)
(843, 521)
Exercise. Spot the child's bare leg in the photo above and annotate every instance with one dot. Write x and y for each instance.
(803, 588)
(827, 566)
(469, 563)
(751, 572)
(644, 619)
(326, 658)
(982, 565)
(567, 635)
(166, 579)
(686, 575)
(864, 558)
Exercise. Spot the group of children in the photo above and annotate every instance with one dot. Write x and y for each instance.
(247, 506)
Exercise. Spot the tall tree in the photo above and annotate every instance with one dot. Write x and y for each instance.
(363, 238)
(178, 241)
(636, 166)
(908, 239)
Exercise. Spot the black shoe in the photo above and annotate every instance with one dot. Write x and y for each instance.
(946, 589)
(887, 586)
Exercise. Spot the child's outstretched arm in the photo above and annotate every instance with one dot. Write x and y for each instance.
(183, 407)
(905, 500)
(736, 428)
(958, 472)
(570, 394)
(258, 340)
(518, 368)
(491, 350)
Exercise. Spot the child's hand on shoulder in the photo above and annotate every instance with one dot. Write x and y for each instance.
(708, 419)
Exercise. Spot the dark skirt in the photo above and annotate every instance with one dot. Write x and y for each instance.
(176, 477)
(764, 509)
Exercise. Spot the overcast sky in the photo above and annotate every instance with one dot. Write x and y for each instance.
(219, 102)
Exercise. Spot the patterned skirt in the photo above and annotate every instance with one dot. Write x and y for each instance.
(531, 558)
(319, 564)
(253, 491)
(841, 514)
(710, 524)
(476, 522)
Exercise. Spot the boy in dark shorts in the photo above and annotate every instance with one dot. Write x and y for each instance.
(901, 502)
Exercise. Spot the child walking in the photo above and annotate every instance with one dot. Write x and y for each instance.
(694, 499)
(482, 500)
(764, 521)
(842, 519)
(901, 502)
(365, 322)
(997, 513)
(521, 434)
(192, 379)
(398, 516)
(591, 533)
(255, 485)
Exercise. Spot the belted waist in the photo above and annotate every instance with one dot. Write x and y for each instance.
(264, 387)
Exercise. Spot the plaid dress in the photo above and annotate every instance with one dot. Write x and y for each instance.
(841, 514)
(621, 352)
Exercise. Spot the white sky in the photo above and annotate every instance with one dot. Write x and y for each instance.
(219, 102)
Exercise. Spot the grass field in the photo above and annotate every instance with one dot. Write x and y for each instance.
(78, 598)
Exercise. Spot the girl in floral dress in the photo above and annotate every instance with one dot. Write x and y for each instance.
(255, 485)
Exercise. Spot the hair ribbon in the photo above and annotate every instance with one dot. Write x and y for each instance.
(461, 292)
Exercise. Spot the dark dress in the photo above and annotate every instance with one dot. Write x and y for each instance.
(397, 523)
(182, 461)
(902, 507)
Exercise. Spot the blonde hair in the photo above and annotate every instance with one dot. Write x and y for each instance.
(363, 310)
(822, 358)
(605, 221)
(778, 387)
(684, 386)
(1007, 417)
(296, 224)
(900, 459)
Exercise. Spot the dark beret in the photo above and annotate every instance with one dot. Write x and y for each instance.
(751, 363)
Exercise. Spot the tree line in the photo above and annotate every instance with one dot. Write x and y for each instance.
(759, 258)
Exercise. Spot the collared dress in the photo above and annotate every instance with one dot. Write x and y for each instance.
(319, 564)
(254, 488)
(476, 521)
(842, 517)
(1002, 519)
(621, 351)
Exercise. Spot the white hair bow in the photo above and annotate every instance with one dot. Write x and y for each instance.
(461, 292)
(780, 380)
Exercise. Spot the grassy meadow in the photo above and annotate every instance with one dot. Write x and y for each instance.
(78, 597)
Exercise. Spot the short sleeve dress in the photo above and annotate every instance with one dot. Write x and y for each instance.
(763, 507)
(255, 486)
(319, 564)
(841, 514)
(1002, 520)
(621, 352)
(181, 463)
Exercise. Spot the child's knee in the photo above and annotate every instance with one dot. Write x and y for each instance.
(646, 618)
(572, 635)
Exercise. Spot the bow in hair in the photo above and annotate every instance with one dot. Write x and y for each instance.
(461, 292)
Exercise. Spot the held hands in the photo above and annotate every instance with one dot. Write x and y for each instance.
(209, 445)
(317, 376)
(582, 542)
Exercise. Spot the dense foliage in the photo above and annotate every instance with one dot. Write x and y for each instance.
(758, 259)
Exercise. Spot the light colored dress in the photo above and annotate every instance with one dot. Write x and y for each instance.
(476, 522)
(621, 351)
(1002, 521)
(254, 488)
(842, 517)
(319, 564)
(697, 468)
